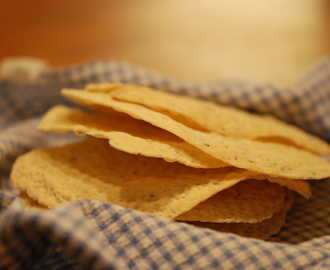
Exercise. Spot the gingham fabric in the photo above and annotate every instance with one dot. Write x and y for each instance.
(90, 234)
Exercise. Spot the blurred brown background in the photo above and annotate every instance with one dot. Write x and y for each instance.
(275, 40)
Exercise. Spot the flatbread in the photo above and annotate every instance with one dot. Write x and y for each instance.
(129, 135)
(248, 201)
(209, 116)
(273, 159)
(260, 230)
(91, 169)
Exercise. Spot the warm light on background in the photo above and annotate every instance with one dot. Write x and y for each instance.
(258, 40)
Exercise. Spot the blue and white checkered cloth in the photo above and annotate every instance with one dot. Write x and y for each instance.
(96, 235)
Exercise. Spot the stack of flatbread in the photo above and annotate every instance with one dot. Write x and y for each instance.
(174, 157)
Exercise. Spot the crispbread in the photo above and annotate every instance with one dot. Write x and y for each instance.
(234, 176)
(273, 159)
(128, 134)
(248, 201)
(260, 230)
(209, 116)
(29, 203)
(93, 170)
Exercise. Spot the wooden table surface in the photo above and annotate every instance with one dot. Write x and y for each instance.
(275, 40)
